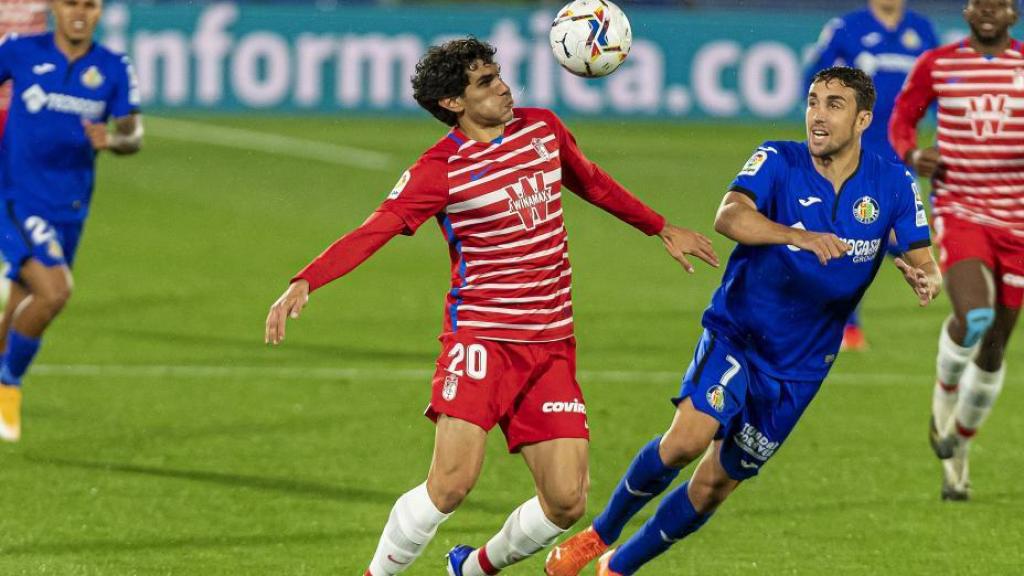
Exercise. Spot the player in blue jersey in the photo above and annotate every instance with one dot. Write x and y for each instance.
(811, 220)
(66, 88)
(883, 40)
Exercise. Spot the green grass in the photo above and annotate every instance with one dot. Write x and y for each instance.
(273, 464)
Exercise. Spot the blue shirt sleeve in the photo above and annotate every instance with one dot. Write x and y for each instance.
(911, 222)
(827, 51)
(757, 178)
(125, 99)
(7, 42)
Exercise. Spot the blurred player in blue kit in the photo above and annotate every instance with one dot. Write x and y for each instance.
(884, 40)
(66, 87)
(811, 220)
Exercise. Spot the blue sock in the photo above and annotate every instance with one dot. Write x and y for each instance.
(675, 519)
(646, 477)
(20, 352)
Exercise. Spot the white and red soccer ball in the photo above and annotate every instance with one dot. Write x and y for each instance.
(590, 38)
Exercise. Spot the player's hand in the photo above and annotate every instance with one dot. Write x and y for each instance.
(825, 245)
(289, 305)
(925, 161)
(679, 242)
(97, 134)
(922, 283)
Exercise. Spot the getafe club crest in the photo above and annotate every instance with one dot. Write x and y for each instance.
(716, 397)
(866, 210)
(92, 78)
(450, 388)
(911, 40)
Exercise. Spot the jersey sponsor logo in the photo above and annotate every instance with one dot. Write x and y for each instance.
(529, 199)
(865, 210)
(40, 69)
(862, 250)
(36, 99)
(754, 442)
(716, 397)
(92, 78)
(450, 388)
(400, 185)
(872, 39)
(574, 407)
(809, 201)
(987, 114)
(753, 166)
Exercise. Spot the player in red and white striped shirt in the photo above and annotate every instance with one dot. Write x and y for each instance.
(494, 185)
(977, 173)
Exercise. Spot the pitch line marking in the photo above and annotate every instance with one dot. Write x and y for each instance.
(276, 144)
(188, 371)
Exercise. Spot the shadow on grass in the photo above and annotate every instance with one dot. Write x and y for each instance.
(288, 486)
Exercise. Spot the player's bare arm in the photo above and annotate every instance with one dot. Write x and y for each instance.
(922, 274)
(125, 139)
(738, 219)
(680, 241)
(289, 305)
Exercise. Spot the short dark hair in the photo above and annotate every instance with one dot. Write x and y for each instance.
(443, 72)
(851, 78)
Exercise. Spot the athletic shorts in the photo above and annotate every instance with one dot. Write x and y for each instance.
(530, 390)
(756, 411)
(24, 235)
(1000, 251)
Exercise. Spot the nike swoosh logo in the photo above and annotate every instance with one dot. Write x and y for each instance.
(40, 69)
(474, 176)
(748, 465)
(636, 493)
(668, 539)
(391, 558)
(809, 201)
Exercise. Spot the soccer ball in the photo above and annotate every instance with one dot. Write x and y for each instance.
(590, 38)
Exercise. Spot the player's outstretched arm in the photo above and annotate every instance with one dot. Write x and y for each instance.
(125, 139)
(679, 242)
(339, 259)
(739, 220)
(921, 273)
(289, 305)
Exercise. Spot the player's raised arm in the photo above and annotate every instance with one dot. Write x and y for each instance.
(739, 220)
(911, 104)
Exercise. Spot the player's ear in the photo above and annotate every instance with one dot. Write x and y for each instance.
(453, 104)
(864, 118)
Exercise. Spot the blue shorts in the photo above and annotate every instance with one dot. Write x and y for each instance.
(756, 411)
(24, 236)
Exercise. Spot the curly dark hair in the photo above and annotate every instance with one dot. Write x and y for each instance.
(851, 78)
(443, 73)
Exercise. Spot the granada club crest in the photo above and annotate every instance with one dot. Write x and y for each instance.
(450, 388)
(866, 210)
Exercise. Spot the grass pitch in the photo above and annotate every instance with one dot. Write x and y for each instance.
(162, 437)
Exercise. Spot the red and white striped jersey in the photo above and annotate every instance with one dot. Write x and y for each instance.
(980, 131)
(499, 205)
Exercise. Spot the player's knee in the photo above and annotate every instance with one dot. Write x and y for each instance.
(54, 298)
(566, 506)
(707, 494)
(978, 322)
(679, 449)
(449, 493)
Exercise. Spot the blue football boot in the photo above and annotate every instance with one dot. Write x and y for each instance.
(456, 557)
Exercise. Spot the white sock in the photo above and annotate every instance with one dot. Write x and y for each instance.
(949, 368)
(526, 532)
(980, 390)
(413, 522)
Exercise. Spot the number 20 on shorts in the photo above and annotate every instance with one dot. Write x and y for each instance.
(474, 356)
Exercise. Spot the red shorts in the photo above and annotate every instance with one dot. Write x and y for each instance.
(528, 389)
(1001, 251)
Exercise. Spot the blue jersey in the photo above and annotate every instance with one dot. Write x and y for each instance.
(858, 39)
(47, 164)
(778, 301)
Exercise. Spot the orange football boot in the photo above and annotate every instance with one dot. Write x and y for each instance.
(569, 557)
(602, 565)
(854, 339)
